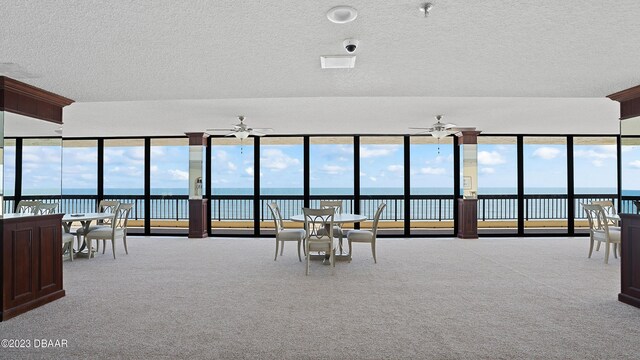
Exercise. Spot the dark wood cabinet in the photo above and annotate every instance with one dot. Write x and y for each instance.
(198, 218)
(468, 218)
(31, 262)
(630, 260)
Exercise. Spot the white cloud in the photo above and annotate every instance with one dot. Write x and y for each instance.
(220, 155)
(276, 160)
(376, 151)
(372, 178)
(231, 166)
(487, 170)
(395, 168)
(154, 168)
(490, 158)
(635, 164)
(546, 153)
(178, 174)
(363, 173)
(249, 171)
(432, 171)
(333, 169)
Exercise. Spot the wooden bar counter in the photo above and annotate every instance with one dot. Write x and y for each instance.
(30, 262)
(630, 260)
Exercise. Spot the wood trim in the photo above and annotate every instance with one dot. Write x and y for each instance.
(197, 138)
(627, 94)
(468, 136)
(24, 99)
(629, 100)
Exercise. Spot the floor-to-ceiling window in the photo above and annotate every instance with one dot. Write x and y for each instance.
(545, 184)
(169, 185)
(281, 179)
(232, 185)
(331, 171)
(431, 203)
(124, 177)
(42, 169)
(9, 175)
(497, 185)
(382, 180)
(595, 164)
(79, 176)
(630, 175)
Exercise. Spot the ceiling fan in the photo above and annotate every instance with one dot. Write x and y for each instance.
(438, 130)
(242, 130)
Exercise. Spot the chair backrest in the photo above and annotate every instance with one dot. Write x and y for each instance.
(336, 205)
(376, 219)
(607, 205)
(597, 218)
(277, 216)
(316, 219)
(122, 216)
(107, 206)
(27, 207)
(44, 209)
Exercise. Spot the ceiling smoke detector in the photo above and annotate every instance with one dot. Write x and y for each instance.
(426, 8)
(342, 14)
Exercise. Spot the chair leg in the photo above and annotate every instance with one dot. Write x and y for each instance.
(350, 250)
(307, 255)
(277, 243)
(281, 247)
(299, 258)
(598, 246)
(104, 246)
(113, 247)
(124, 240)
(606, 253)
(88, 244)
(591, 246)
(70, 248)
(373, 251)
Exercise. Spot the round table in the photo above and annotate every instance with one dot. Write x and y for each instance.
(337, 219)
(85, 220)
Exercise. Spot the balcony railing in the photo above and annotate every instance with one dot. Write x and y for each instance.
(422, 207)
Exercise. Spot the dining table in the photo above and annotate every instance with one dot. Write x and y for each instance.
(85, 220)
(338, 219)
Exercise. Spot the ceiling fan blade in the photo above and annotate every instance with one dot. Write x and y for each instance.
(422, 132)
(448, 126)
(231, 133)
(257, 133)
(220, 130)
(421, 128)
(263, 129)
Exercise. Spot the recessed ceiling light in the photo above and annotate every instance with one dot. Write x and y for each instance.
(342, 14)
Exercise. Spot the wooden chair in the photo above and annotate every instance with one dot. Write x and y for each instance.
(45, 209)
(315, 220)
(601, 231)
(105, 206)
(609, 210)
(116, 230)
(67, 243)
(336, 205)
(366, 236)
(283, 234)
(28, 207)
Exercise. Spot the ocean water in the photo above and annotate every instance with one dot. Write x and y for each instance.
(338, 191)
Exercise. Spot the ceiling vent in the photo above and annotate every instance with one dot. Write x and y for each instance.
(338, 62)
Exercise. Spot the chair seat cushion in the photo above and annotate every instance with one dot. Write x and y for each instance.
(292, 234)
(360, 236)
(67, 237)
(104, 232)
(80, 231)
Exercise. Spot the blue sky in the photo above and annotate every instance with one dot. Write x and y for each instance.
(331, 167)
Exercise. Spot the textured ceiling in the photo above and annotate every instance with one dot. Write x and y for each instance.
(96, 51)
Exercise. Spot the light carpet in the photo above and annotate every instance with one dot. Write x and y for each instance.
(217, 298)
